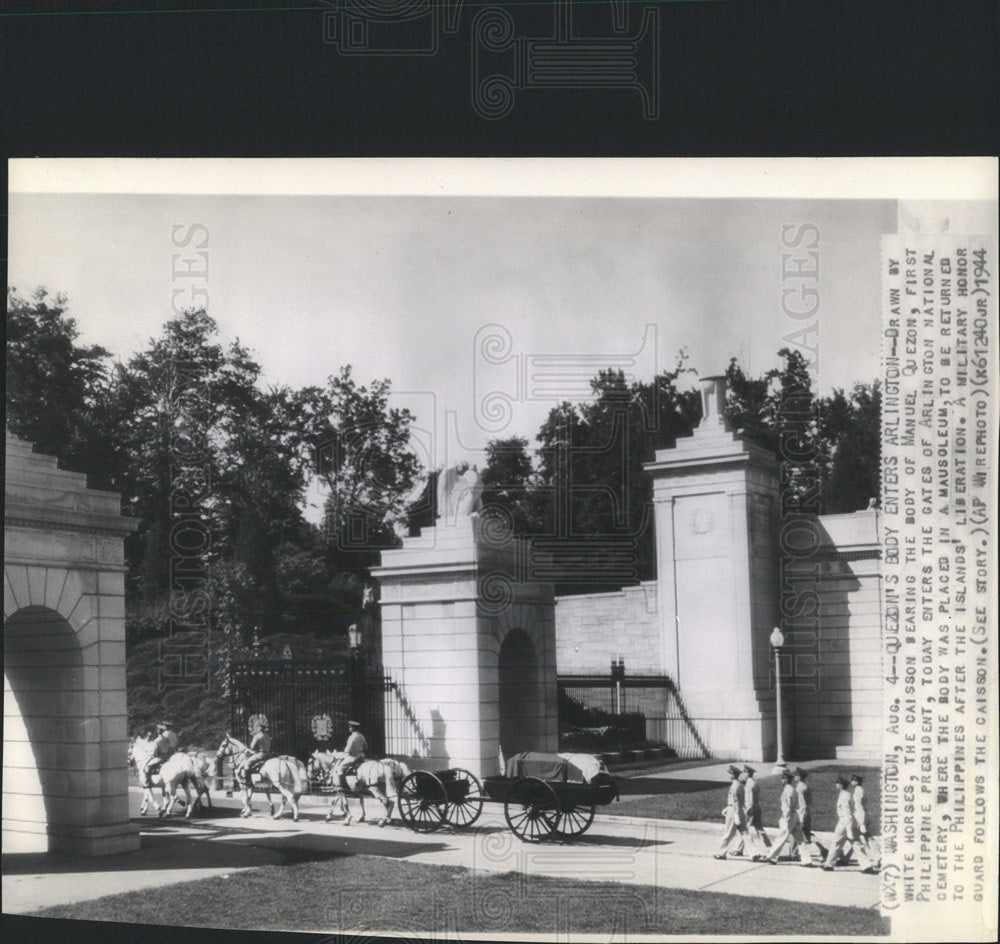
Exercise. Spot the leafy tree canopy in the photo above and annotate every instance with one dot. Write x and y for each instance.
(586, 498)
(54, 384)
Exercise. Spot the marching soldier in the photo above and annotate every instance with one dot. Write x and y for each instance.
(789, 828)
(861, 819)
(805, 812)
(735, 822)
(755, 837)
(846, 834)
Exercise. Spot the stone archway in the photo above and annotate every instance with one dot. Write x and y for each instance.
(65, 785)
(520, 698)
(44, 761)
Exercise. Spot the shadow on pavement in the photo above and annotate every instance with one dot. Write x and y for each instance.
(596, 839)
(170, 846)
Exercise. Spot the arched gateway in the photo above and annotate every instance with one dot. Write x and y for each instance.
(64, 738)
(468, 637)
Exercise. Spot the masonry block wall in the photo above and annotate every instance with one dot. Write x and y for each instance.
(832, 670)
(594, 628)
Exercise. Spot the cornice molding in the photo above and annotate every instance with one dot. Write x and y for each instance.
(103, 526)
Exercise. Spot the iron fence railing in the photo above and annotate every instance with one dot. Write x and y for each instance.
(308, 706)
(617, 700)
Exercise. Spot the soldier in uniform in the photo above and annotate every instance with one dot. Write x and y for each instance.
(258, 752)
(755, 838)
(735, 822)
(789, 828)
(861, 819)
(804, 792)
(846, 834)
(354, 754)
(163, 749)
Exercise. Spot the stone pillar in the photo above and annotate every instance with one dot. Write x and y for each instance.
(65, 786)
(716, 499)
(455, 601)
(838, 655)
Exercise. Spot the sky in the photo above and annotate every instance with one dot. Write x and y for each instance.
(483, 311)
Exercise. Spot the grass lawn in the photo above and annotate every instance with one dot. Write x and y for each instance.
(367, 893)
(694, 799)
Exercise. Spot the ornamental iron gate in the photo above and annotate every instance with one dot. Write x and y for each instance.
(308, 706)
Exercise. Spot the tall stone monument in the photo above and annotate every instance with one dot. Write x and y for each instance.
(468, 639)
(65, 786)
(715, 497)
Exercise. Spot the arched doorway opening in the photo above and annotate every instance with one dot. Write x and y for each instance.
(520, 698)
(45, 731)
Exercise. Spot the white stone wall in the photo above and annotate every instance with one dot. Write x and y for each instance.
(834, 694)
(594, 628)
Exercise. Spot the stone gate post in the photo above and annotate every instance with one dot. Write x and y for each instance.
(716, 503)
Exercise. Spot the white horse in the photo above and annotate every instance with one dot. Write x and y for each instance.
(285, 774)
(179, 770)
(369, 779)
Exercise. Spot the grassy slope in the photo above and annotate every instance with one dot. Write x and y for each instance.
(366, 893)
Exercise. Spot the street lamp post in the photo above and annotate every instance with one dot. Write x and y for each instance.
(777, 641)
(618, 675)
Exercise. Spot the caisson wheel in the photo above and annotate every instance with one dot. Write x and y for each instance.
(531, 809)
(423, 803)
(466, 798)
(574, 818)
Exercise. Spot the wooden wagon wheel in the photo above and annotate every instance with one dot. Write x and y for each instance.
(466, 803)
(423, 803)
(531, 809)
(575, 818)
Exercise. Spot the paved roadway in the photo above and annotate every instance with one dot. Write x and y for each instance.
(667, 853)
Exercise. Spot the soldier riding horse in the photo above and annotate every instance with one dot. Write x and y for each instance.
(379, 779)
(285, 773)
(181, 769)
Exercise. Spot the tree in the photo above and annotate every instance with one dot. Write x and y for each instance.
(596, 498)
(780, 413)
(200, 445)
(364, 457)
(851, 424)
(509, 485)
(829, 446)
(55, 386)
